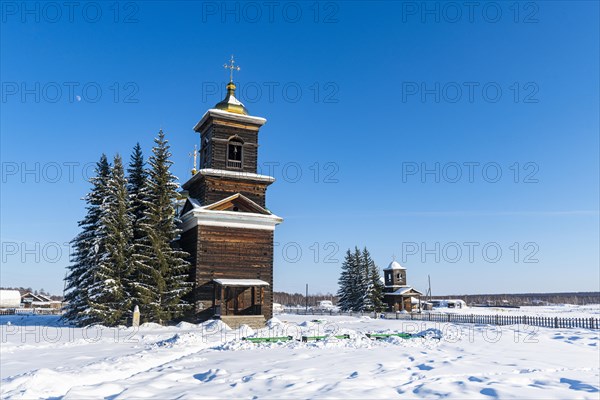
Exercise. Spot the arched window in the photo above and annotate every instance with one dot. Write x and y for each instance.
(234, 153)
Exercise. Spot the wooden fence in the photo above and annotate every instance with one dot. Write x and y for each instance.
(30, 311)
(542, 321)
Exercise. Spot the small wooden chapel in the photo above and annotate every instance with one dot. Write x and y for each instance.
(226, 227)
(397, 294)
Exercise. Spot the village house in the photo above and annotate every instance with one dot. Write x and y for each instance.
(31, 300)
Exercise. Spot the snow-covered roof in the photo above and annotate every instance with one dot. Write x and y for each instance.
(10, 298)
(404, 290)
(213, 112)
(394, 265)
(195, 202)
(236, 174)
(256, 208)
(44, 297)
(260, 218)
(233, 100)
(222, 173)
(36, 297)
(240, 282)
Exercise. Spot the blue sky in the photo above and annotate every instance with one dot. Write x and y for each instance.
(499, 103)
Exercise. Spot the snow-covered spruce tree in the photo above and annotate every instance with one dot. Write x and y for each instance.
(137, 187)
(87, 249)
(345, 291)
(363, 283)
(360, 284)
(351, 283)
(367, 283)
(110, 292)
(374, 299)
(163, 269)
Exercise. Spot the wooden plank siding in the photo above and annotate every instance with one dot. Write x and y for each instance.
(211, 189)
(235, 253)
(216, 138)
(188, 242)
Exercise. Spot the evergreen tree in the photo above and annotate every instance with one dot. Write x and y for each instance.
(374, 300)
(137, 188)
(110, 293)
(87, 249)
(360, 285)
(361, 282)
(163, 269)
(350, 294)
(367, 282)
(345, 283)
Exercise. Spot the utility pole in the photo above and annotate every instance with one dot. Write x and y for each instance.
(306, 298)
(65, 285)
(429, 290)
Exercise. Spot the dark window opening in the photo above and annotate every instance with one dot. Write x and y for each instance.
(235, 151)
(234, 155)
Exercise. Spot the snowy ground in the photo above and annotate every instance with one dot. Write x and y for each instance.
(41, 359)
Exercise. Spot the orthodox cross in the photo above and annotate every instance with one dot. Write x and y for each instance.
(194, 154)
(231, 67)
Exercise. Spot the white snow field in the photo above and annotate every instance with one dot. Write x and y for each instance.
(40, 358)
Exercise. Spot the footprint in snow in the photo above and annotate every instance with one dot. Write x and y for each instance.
(475, 379)
(489, 392)
(209, 375)
(424, 367)
(578, 385)
(353, 375)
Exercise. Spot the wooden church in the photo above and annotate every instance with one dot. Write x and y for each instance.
(397, 294)
(226, 227)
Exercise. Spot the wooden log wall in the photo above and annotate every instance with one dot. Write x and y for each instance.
(212, 189)
(216, 137)
(232, 253)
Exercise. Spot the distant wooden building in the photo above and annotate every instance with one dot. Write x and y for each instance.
(226, 227)
(397, 294)
(31, 300)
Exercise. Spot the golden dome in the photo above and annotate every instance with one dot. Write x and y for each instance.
(230, 103)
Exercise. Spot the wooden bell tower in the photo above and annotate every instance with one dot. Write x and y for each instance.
(226, 227)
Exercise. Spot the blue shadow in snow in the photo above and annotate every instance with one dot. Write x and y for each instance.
(578, 385)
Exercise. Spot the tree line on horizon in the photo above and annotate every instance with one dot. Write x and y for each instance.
(124, 254)
(527, 299)
(299, 299)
